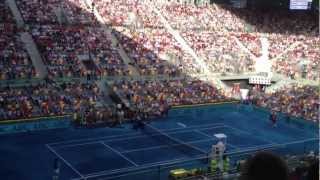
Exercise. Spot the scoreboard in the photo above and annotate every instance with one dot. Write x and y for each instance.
(300, 4)
(262, 80)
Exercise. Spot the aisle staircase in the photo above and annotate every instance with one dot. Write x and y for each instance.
(16, 13)
(127, 60)
(182, 42)
(115, 43)
(206, 74)
(28, 42)
(34, 54)
(103, 86)
(244, 48)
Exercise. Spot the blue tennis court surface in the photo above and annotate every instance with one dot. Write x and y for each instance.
(126, 153)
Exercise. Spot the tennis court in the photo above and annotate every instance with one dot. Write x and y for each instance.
(188, 135)
(183, 139)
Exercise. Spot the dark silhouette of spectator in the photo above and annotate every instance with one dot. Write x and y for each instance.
(297, 174)
(265, 166)
(313, 171)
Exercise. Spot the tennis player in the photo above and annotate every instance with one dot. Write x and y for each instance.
(56, 169)
(273, 118)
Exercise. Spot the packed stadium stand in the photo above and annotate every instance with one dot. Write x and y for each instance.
(108, 62)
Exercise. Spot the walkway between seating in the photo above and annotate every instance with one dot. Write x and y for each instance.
(210, 78)
(34, 54)
(16, 13)
(115, 42)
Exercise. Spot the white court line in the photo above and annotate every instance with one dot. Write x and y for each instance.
(150, 148)
(130, 138)
(204, 134)
(119, 153)
(154, 147)
(180, 141)
(150, 165)
(80, 144)
(65, 161)
(91, 139)
(162, 146)
(245, 132)
(125, 175)
(274, 146)
(259, 146)
(119, 139)
(252, 149)
(198, 126)
(182, 125)
(214, 138)
(233, 146)
(281, 120)
(126, 135)
(236, 129)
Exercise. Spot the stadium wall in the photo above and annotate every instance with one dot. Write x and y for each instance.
(34, 124)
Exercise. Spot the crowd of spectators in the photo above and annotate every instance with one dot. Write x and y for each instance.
(301, 61)
(105, 56)
(5, 13)
(47, 99)
(30, 101)
(251, 41)
(200, 25)
(278, 43)
(60, 47)
(191, 17)
(15, 62)
(210, 30)
(38, 11)
(82, 48)
(154, 97)
(295, 56)
(50, 11)
(222, 18)
(297, 101)
(127, 13)
(79, 12)
(78, 51)
(71, 40)
(155, 51)
(220, 52)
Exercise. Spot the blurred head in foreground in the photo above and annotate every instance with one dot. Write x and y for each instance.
(265, 166)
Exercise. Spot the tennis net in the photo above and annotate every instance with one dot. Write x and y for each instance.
(183, 147)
